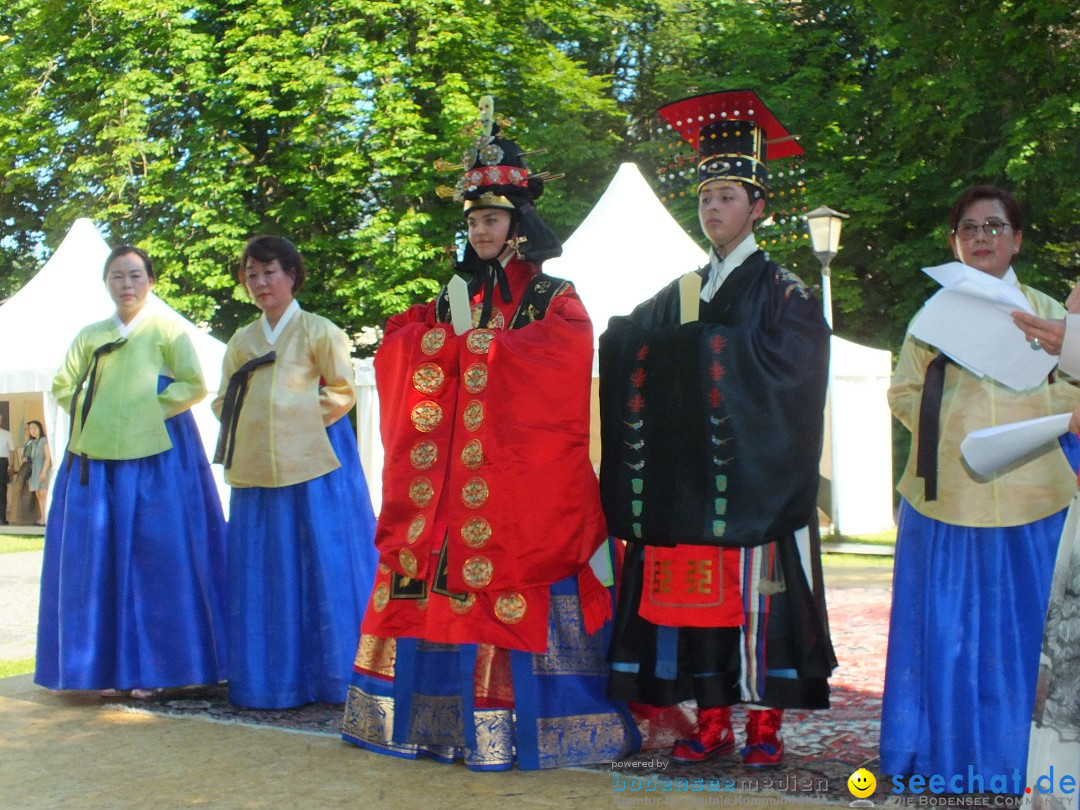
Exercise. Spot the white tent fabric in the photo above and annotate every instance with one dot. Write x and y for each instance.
(625, 250)
(39, 322)
(629, 247)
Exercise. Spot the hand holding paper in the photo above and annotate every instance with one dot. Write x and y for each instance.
(970, 320)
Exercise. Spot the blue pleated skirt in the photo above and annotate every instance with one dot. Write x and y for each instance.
(964, 636)
(133, 579)
(301, 564)
(425, 704)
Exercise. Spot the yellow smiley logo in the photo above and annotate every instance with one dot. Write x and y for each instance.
(861, 783)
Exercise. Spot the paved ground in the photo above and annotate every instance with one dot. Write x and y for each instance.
(72, 749)
(19, 576)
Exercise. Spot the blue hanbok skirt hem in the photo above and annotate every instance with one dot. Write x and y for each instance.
(301, 564)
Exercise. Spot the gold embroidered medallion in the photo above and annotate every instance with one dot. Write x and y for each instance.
(408, 562)
(380, 598)
(479, 341)
(461, 606)
(476, 532)
(421, 492)
(433, 341)
(472, 454)
(477, 572)
(476, 377)
(473, 417)
(510, 608)
(475, 493)
(428, 378)
(424, 455)
(416, 528)
(426, 416)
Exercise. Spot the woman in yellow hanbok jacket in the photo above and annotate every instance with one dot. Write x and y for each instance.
(132, 585)
(301, 559)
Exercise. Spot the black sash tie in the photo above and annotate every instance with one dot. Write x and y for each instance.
(926, 464)
(89, 379)
(492, 276)
(230, 408)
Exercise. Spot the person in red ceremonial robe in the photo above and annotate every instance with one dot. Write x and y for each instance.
(488, 625)
(711, 436)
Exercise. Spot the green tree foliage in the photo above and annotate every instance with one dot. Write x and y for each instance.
(186, 125)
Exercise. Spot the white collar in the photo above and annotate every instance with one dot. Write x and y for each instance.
(721, 268)
(272, 335)
(1010, 277)
(126, 329)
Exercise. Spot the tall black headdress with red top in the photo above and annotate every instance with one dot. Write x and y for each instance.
(734, 136)
(496, 176)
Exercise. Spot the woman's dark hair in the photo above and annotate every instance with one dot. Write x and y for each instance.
(124, 250)
(40, 427)
(976, 193)
(265, 248)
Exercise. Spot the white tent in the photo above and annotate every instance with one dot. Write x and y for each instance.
(625, 250)
(39, 322)
(629, 247)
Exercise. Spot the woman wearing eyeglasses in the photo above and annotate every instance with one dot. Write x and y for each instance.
(974, 555)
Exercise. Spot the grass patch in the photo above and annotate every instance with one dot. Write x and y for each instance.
(830, 560)
(886, 538)
(21, 542)
(19, 666)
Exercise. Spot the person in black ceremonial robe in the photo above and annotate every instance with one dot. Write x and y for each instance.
(712, 433)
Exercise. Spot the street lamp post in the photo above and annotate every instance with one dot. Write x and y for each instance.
(824, 225)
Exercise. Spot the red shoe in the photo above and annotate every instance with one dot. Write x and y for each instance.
(764, 748)
(714, 737)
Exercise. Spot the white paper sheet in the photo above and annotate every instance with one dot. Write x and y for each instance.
(988, 450)
(969, 321)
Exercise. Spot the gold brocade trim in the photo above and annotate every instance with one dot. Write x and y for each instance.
(376, 655)
(570, 650)
(426, 416)
(464, 605)
(479, 341)
(421, 492)
(476, 532)
(472, 454)
(433, 341)
(370, 718)
(475, 493)
(493, 679)
(510, 608)
(494, 737)
(380, 598)
(473, 415)
(416, 528)
(475, 378)
(408, 562)
(436, 720)
(428, 378)
(384, 568)
(421, 604)
(477, 571)
(579, 739)
(424, 455)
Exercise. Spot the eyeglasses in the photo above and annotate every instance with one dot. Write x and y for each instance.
(993, 228)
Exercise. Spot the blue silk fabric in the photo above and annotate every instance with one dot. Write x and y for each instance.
(561, 716)
(301, 563)
(967, 619)
(133, 579)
